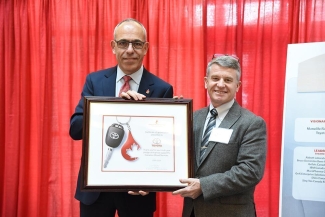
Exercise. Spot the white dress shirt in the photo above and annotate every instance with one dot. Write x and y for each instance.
(134, 82)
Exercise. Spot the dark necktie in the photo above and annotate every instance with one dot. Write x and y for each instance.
(207, 132)
(126, 85)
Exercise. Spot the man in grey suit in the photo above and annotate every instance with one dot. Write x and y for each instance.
(230, 158)
(129, 46)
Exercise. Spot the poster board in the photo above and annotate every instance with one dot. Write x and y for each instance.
(302, 184)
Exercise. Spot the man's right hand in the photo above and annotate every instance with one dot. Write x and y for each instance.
(192, 190)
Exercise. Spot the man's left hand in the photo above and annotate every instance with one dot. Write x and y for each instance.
(143, 193)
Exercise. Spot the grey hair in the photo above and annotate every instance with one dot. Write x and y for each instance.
(131, 20)
(227, 62)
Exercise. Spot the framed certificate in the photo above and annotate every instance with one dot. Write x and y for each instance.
(133, 145)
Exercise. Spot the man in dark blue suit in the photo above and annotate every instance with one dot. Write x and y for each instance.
(129, 46)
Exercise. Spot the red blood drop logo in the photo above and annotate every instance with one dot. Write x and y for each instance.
(128, 146)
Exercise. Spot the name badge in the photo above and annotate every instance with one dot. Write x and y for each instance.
(220, 135)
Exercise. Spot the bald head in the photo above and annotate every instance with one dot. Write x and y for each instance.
(130, 45)
(128, 23)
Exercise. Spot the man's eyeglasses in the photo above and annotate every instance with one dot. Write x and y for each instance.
(124, 44)
(221, 55)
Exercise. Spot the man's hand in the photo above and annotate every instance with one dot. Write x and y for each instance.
(192, 190)
(178, 97)
(143, 193)
(131, 94)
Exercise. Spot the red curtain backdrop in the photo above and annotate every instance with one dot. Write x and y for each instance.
(48, 47)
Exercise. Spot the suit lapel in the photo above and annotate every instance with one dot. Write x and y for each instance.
(198, 139)
(230, 119)
(146, 86)
(232, 116)
(109, 82)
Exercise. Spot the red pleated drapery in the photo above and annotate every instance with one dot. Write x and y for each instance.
(48, 47)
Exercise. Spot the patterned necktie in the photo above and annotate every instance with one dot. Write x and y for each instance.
(126, 85)
(211, 124)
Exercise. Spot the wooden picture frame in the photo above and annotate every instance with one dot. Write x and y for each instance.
(131, 145)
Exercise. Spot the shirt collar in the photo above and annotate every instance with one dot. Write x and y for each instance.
(136, 76)
(222, 110)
